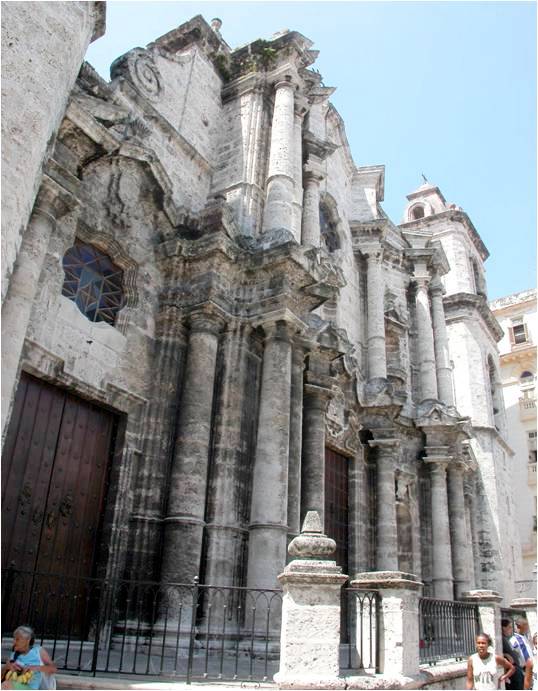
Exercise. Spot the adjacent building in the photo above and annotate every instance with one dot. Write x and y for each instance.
(517, 316)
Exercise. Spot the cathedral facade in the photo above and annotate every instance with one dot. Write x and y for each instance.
(211, 327)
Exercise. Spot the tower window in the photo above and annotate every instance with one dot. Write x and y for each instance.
(93, 282)
(418, 212)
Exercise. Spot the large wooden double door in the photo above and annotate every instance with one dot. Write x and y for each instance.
(54, 478)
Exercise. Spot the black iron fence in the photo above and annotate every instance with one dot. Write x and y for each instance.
(361, 635)
(513, 615)
(447, 630)
(189, 631)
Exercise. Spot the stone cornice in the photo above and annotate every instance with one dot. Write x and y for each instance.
(464, 305)
(455, 216)
(525, 355)
(514, 302)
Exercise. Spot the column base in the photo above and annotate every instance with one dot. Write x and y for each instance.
(275, 237)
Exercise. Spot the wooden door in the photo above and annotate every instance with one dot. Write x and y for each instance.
(54, 473)
(336, 504)
(336, 519)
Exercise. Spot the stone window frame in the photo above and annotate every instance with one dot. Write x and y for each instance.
(329, 207)
(107, 244)
(520, 324)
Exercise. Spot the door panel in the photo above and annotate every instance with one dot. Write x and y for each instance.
(336, 504)
(55, 469)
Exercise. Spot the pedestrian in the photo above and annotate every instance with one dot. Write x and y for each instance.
(531, 669)
(484, 668)
(516, 681)
(523, 634)
(29, 665)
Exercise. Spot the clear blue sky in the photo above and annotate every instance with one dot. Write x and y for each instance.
(447, 89)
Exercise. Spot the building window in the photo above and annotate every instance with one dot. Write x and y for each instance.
(93, 282)
(518, 332)
(418, 212)
(329, 234)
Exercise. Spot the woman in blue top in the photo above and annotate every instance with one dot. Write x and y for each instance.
(27, 656)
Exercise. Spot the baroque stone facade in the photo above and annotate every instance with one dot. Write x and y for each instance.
(273, 323)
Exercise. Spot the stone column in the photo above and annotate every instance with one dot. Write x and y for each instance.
(489, 613)
(426, 351)
(469, 493)
(269, 507)
(298, 166)
(460, 546)
(311, 234)
(440, 338)
(296, 441)
(313, 461)
(386, 533)
(156, 442)
(278, 213)
(443, 583)
(225, 533)
(377, 357)
(310, 633)
(184, 523)
(399, 632)
(52, 202)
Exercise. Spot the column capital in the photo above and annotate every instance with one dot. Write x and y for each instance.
(436, 287)
(317, 396)
(53, 200)
(312, 175)
(438, 465)
(384, 445)
(285, 81)
(279, 330)
(206, 321)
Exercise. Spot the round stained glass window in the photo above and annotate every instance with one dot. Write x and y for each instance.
(93, 282)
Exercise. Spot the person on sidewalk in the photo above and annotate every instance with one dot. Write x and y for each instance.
(29, 665)
(514, 655)
(484, 668)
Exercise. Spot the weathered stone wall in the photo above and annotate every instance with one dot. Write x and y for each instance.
(43, 44)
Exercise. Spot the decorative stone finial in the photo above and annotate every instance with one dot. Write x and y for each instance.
(312, 543)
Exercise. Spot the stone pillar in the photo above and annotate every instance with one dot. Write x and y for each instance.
(296, 441)
(469, 494)
(443, 583)
(399, 632)
(462, 559)
(386, 533)
(377, 357)
(489, 613)
(426, 350)
(298, 167)
(184, 523)
(269, 507)
(313, 461)
(156, 442)
(440, 338)
(224, 530)
(311, 234)
(278, 213)
(52, 202)
(310, 633)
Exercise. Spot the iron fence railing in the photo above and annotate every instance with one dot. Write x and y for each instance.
(361, 635)
(447, 629)
(512, 614)
(190, 631)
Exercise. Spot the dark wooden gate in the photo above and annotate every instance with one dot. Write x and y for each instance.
(54, 474)
(336, 519)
